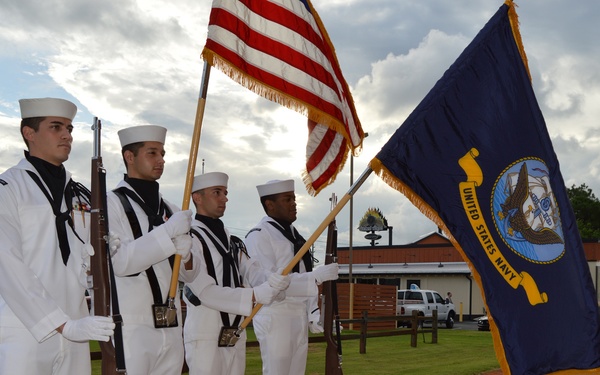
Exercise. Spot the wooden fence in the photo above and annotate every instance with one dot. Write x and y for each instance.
(364, 322)
(374, 309)
(377, 300)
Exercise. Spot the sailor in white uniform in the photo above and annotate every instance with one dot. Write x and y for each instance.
(222, 294)
(45, 325)
(151, 231)
(282, 327)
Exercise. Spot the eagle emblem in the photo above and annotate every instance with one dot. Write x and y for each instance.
(526, 213)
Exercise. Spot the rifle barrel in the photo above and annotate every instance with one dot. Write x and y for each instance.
(100, 277)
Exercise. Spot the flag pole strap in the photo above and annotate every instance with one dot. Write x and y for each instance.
(189, 177)
(313, 238)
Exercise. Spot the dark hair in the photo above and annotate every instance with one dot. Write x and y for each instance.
(134, 148)
(33, 123)
(263, 200)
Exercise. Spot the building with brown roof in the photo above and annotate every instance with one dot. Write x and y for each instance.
(431, 263)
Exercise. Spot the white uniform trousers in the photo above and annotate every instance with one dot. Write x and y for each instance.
(283, 339)
(204, 357)
(152, 351)
(20, 353)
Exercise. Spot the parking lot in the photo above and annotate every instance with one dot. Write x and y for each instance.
(470, 325)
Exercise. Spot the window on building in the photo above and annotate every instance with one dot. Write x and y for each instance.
(370, 280)
(395, 282)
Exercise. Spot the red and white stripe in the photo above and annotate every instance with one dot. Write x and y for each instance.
(280, 50)
(326, 153)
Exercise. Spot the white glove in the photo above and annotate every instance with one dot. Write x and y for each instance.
(279, 297)
(179, 223)
(89, 250)
(279, 281)
(98, 328)
(313, 322)
(326, 272)
(183, 245)
(265, 294)
(114, 242)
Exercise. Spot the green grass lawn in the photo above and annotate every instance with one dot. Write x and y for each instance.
(458, 352)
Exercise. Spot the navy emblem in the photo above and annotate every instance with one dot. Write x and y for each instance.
(3, 182)
(525, 212)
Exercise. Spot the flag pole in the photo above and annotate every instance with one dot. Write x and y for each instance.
(189, 177)
(311, 240)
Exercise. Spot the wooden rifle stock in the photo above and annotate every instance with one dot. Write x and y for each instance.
(333, 352)
(100, 277)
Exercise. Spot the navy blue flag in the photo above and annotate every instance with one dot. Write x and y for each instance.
(475, 156)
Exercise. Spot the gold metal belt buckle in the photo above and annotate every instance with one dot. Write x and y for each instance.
(164, 316)
(228, 336)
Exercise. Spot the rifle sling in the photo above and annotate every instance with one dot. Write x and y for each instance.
(114, 298)
(332, 301)
(334, 297)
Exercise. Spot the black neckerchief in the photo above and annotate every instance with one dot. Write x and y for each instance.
(296, 239)
(217, 229)
(216, 226)
(284, 223)
(55, 178)
(230, 269)
(147, 190)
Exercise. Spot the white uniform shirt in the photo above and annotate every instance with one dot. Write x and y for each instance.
(37, 291)
(268, 246)
(282, 327)
(135, 256)
(204, 322)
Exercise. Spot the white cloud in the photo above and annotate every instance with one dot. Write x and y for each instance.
(397, 84)
(131, 62)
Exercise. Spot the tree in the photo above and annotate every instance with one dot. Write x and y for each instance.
(587, 211)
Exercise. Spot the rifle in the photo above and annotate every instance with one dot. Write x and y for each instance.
(235, 336)
(102, 276)
(333, 353)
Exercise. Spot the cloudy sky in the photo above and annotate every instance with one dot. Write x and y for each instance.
(138, 62)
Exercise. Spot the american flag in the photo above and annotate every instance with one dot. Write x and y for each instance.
(280, 50)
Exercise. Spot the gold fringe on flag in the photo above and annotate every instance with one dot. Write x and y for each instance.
(308, 181)
(390, 179)
(514, 23)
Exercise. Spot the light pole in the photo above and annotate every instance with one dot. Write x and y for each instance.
(350, 281)
(351, 203)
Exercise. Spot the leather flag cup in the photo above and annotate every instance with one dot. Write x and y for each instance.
(475, 156)
(280, 50)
